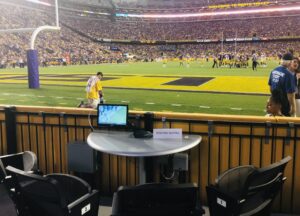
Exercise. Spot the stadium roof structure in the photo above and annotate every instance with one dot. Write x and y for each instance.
(172, 4)
(171, 10)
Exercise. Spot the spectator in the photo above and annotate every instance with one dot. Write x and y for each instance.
(284, 80)
(274, 104)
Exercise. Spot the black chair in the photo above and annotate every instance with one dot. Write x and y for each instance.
(246, 190)
(9, 203)
(157, 199)
(55, 194)
(25, 161)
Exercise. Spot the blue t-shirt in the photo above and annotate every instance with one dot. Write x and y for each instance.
(283, 79)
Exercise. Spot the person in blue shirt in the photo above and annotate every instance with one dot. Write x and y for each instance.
(274, 104)
(284, 80)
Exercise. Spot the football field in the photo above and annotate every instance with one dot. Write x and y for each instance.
(196, 88)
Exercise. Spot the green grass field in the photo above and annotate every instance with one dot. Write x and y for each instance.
(145, 86)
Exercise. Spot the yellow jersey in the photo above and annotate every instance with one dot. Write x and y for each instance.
(94, 91)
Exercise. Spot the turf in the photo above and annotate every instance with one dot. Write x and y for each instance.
(141, 99)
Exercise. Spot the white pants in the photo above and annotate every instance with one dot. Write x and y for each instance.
(93, 103)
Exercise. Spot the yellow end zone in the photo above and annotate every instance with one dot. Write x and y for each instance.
(232, 84)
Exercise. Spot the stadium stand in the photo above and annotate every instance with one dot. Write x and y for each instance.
(263, 27)
(78, 40)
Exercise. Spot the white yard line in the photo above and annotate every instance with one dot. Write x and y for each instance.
(236, 108)
(205, 107)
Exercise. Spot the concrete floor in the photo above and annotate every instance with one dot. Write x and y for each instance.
(106, 211)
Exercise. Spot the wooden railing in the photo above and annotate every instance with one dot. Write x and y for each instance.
(227, 141)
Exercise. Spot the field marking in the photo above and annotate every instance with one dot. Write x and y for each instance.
(177, 105)
(205, 107)
(79, 98)
(20, 95)
(40, 96)
(59, 97)
(150, 103)
(208, 87)
(125, 101)
(236, 108)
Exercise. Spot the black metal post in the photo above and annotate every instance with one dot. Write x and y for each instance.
(149, 161)
(11, 129)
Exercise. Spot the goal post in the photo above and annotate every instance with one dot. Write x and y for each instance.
(33, 69)
(32, 58)
(32, 53)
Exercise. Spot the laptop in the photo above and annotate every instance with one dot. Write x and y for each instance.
(112, 116)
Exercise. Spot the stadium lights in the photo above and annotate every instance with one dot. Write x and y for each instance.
(39, 2)
(218, 13)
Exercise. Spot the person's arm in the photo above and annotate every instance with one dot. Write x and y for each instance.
(292, 101)
(99, 89)
(100, 94)
(290, 87)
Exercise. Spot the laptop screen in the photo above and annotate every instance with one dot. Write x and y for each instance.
(112, 115)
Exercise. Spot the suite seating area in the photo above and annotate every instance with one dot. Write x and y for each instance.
(227, 143)
(243, 190)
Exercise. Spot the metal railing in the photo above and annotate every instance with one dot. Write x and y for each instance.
(226, 142)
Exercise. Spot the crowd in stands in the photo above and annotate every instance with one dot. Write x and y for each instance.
(263, 27)
(53, 46)
(73, 43)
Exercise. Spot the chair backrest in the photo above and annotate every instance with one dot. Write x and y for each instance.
(29, 161)
(54, 194)
(15, 160)
(39, 192)
(246, 190)
(78, 150)
(156, 199)
(26, 161)
(268, 179)
(233, 180)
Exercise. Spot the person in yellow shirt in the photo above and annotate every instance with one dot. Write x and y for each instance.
(94, 92)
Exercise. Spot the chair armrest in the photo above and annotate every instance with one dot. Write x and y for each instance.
(70, 179)
(278, 179)
(86, 205)
(73, 186)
